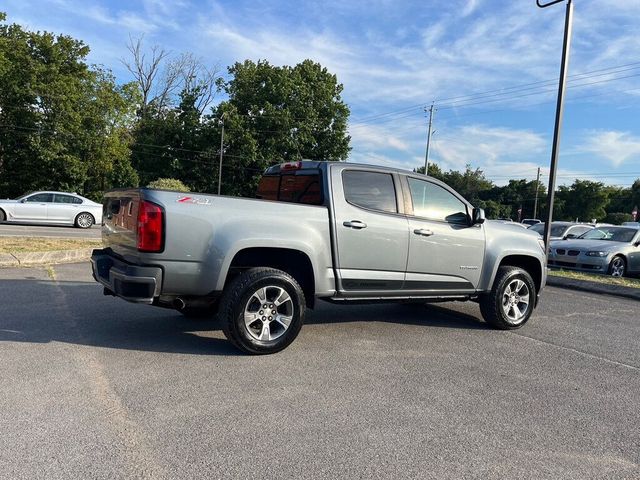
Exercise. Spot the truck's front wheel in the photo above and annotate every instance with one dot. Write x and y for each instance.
(262, 310)
(510, 303)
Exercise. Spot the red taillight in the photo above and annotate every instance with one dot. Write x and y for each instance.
(150, 225)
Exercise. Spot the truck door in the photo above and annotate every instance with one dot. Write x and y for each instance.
(445, 253)
(371, 232)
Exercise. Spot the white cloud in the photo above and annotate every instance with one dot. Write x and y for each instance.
(487, 147)
(617, 147)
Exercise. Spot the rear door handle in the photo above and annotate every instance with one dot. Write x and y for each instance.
(425, 232)
(357, 224)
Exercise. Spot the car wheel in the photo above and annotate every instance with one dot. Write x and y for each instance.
(262, 310)
(3, 217)
(618, 266)
(509, 305)
(84, 220)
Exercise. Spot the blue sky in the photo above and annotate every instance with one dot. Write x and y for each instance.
(395, 57)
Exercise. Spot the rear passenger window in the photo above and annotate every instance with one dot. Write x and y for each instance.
(370, 190)
(434, 202)
(67, 199)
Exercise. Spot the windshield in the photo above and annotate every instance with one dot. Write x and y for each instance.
(556, 230)
(613, 234)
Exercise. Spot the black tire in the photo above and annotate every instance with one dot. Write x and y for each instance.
(3, 217)
(494, 303)
(84, 220)
(618, 266)
(238, 298)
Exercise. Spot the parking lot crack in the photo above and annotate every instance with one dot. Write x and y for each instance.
(579, 352)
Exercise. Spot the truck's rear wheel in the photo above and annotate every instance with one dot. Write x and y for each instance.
(262, 310)
(510, 303)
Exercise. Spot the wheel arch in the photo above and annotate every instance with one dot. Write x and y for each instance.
(528, 263)
(295, 262)
(75, 220)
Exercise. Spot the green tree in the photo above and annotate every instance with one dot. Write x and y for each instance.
(469, 183)
(277, 114)
(583, 200)
(62, 124)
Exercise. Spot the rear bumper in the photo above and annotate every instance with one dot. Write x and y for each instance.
(130, 282)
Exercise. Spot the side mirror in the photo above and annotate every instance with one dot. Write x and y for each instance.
(24, 200)
(477, 217)
(570, 235)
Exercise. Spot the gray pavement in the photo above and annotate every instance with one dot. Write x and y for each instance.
(22, 230)
(94, 387)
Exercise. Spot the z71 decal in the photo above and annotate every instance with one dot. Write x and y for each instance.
(194, 200)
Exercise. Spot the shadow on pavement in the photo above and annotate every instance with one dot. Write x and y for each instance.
(73, 312)
(427, 315)
(77, 312)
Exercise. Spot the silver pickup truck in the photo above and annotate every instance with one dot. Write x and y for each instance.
(338, 232)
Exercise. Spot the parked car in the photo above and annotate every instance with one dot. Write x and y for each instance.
(335, 231)
(563, 230)
(57, 208)
(612, 250)
(510, 223)
(531, 221)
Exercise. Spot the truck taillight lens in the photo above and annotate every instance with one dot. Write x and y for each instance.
(150, 227)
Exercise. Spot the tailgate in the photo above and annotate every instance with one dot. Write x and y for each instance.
(120, 221)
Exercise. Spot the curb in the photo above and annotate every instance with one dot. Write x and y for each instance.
(43, 258)
(593, 287)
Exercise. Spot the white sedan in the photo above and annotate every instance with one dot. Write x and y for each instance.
(52, 208)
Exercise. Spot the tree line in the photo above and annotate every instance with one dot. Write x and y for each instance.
(68, 125)
(584, 200)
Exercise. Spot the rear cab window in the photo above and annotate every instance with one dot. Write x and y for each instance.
(292, 183)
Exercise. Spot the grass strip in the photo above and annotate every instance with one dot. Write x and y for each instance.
(591, 277)
(44, 244)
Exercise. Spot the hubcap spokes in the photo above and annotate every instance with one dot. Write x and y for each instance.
(617, 269)
(84, 220)
(268, 313)
(515, 301)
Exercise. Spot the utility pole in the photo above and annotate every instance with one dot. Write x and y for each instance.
(431, 110)
(564, 66)
(221, 150)
(535, 203)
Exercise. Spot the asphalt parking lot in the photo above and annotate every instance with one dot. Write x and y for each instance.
(94, 387)
(23, 230)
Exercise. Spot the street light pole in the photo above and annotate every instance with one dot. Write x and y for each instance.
(221, 150)
(564, 65)
(535, 204)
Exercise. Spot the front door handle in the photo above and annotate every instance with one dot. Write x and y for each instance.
(357, 224)
(425, 232)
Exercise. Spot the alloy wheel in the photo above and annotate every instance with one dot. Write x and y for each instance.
(515, 301)
(268, 313)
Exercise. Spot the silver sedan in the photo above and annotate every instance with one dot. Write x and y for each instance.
(57, 208)
(605, 249)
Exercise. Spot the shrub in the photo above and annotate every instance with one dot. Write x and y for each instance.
(617, 218)
(169, 184)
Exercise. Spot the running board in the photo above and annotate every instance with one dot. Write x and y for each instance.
(412, 298)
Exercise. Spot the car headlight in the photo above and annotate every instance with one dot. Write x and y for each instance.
(597, 254)
(541, 243)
